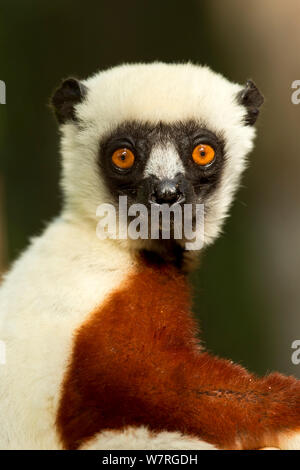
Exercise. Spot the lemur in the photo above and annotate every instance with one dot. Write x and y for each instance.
(102, 351)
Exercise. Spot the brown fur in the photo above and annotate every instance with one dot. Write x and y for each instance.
(137, 361)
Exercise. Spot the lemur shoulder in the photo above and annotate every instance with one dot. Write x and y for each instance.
(101, 348)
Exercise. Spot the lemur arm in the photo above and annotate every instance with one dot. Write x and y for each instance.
(218, 401)
(137, 362)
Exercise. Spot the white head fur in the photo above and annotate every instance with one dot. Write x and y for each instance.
(154, 93)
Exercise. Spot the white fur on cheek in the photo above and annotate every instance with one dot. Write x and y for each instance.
(164, 162)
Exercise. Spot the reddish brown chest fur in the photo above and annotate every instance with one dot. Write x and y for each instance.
(120, 354)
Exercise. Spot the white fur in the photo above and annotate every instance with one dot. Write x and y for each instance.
(289, 440)
(164, 162)
(50, 291)
(68, 271)
(152, 93)
(142, 439)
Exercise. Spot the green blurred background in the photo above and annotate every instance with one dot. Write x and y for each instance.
(247, 294)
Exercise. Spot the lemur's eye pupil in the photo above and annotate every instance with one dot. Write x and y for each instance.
(123, 158)
(203, 154)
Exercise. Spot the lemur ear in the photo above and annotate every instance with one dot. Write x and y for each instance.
(70, 93)
(252, 99)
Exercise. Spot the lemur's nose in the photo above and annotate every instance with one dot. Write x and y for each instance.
(167, 192)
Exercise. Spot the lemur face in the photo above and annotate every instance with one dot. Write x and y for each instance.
(178, 163)
(157, 133)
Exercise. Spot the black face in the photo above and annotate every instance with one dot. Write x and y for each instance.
(193, 183)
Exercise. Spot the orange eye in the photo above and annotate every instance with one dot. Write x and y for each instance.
(123, 158)
(203, 154)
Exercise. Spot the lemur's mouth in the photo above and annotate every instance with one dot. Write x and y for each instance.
(180, 200)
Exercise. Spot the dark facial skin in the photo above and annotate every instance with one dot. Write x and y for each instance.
(194, 185)
(197, 182)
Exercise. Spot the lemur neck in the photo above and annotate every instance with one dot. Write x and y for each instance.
(164, 254)
(160, 297)
(169, 252)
